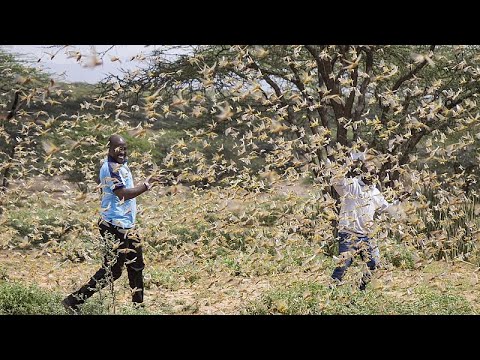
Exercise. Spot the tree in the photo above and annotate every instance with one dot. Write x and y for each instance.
(313, 101)
(17, 81)
(27, 93)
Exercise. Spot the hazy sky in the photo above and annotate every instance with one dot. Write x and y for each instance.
(74, 71)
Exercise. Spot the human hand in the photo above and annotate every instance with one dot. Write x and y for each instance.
(153, 179)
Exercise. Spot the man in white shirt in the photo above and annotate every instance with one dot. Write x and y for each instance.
(359, 201)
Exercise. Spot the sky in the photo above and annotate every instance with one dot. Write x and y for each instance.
(74, 71)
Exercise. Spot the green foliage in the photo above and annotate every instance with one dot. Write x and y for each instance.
(133, 310)
(235, 239)
(301, 298)
(457, 156)
(386, 83)
(450, 230)
(174, 277)
(77, 94)
(167, 279)
(18, 299)
(310, 298)
(400, 256)
(233, 265)
(435, 303)
(179, 235)
(40, 224)
(18, 74)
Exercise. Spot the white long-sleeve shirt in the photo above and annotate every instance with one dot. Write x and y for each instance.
(358, 205)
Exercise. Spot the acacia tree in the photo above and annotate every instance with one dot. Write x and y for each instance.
(16, 82)
(27, 98)
(310, 101)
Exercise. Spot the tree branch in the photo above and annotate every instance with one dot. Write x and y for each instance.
(412, 72)
(363, 87)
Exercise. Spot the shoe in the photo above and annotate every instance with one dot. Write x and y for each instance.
(137, 305)
(71, 309)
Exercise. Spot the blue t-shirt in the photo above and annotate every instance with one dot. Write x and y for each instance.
(114, 210)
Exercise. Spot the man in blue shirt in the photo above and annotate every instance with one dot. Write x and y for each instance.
(116, 224)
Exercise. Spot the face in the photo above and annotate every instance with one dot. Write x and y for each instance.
(118, 150)
(356, 168)
(368, 172)
(365, 170)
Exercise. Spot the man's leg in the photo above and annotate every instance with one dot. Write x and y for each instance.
(368, 255)
(111, 269)
(375, 252)
(135, 266)
(344, 249)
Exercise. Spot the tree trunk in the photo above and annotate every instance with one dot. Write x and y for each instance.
(6, 172)
(11, 114)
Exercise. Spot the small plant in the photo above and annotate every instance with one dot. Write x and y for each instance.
(233, 265)
(3, 274)
(401, 256)
(301, 298)
(450, 224)
(19, 299)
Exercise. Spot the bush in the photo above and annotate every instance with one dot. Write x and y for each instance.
(18, 299)
(401, 256)
(41, 224)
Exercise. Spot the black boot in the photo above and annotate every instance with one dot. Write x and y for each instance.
(71, 305)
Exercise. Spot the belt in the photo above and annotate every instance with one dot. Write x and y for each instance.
(103, 222)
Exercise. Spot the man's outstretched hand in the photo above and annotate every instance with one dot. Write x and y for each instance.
(153, 180)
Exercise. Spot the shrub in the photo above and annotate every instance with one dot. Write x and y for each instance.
(18, 299)
(401, 256)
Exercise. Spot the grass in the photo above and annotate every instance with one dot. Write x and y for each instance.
(18, 298)
(217, 252)
(456, 225)
(172, 278)
(305, 298)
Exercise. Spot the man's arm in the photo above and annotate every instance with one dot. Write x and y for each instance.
(127, 194)
(382, 205)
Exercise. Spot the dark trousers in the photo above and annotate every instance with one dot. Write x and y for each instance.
(129, 253)
(361, 245)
